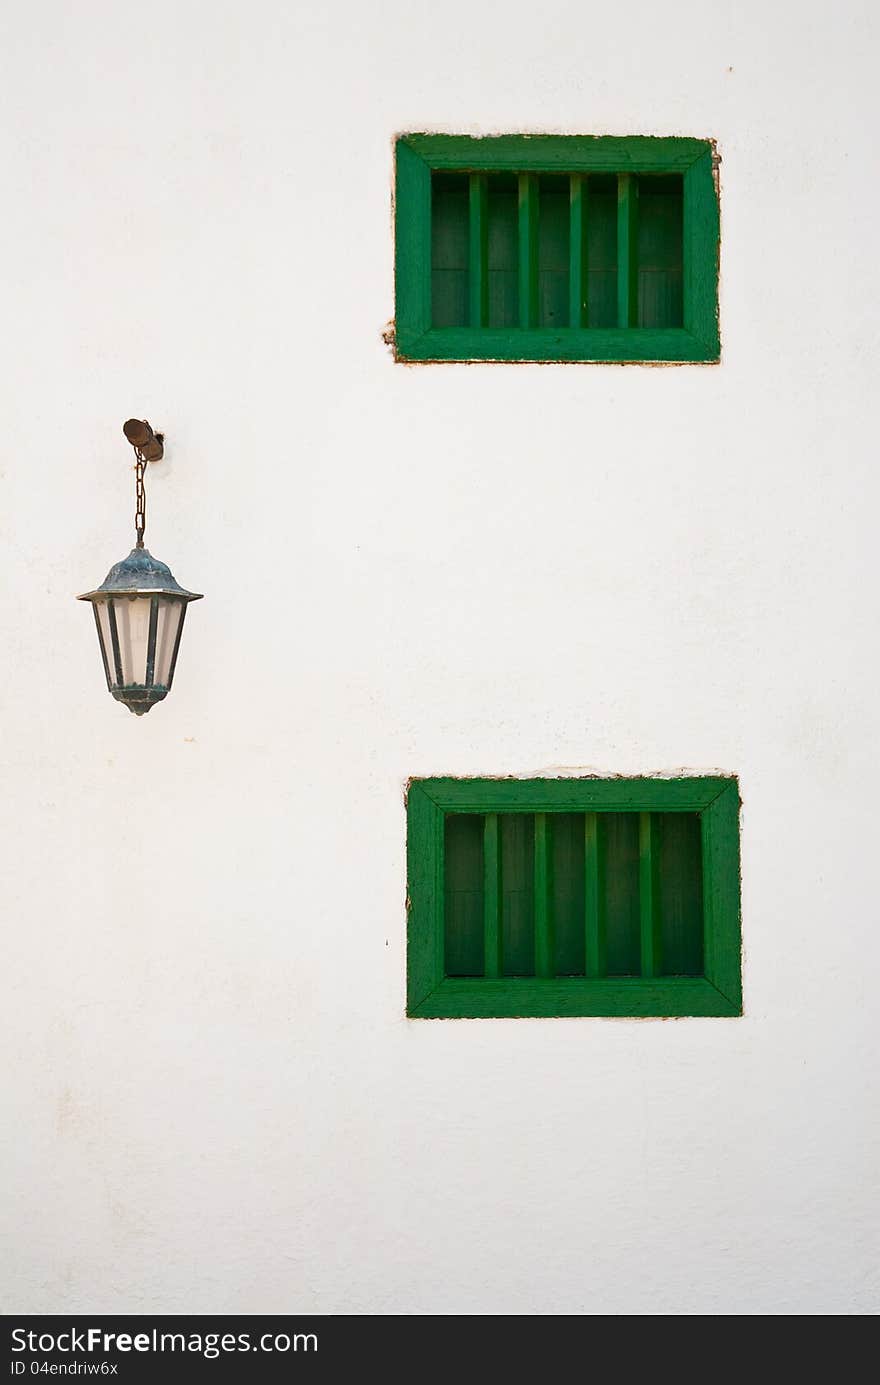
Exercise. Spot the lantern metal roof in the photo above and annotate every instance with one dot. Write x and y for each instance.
(140, 574)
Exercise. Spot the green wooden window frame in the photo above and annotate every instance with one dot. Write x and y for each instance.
(630, 158)
(432, 994)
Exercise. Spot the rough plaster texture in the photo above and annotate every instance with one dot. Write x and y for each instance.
(212, 1100)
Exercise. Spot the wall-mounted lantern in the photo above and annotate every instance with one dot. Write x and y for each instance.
(139, 608)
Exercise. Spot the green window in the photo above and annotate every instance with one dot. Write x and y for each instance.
(556, 248)
(573, 897)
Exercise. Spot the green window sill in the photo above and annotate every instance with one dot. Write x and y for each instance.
(614, 345)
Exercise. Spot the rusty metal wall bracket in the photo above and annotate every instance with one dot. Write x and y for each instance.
(149, 445)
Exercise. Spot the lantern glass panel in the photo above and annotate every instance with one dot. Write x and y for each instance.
(170, 616)
(102, 612)
(133, 628)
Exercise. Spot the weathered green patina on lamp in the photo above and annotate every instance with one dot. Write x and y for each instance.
(139, 607)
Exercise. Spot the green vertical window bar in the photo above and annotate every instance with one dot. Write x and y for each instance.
(649, 911)
(528, 250)
(544, 950)
(491, 896)
(577, 250)
(594, 902)
(627, 243)
(478, 250)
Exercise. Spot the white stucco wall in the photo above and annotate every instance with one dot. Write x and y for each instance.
(213, 1100)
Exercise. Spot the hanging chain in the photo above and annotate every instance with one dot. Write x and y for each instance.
(140, 511)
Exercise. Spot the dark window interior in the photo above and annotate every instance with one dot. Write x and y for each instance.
(659, 201)
(679, 892)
